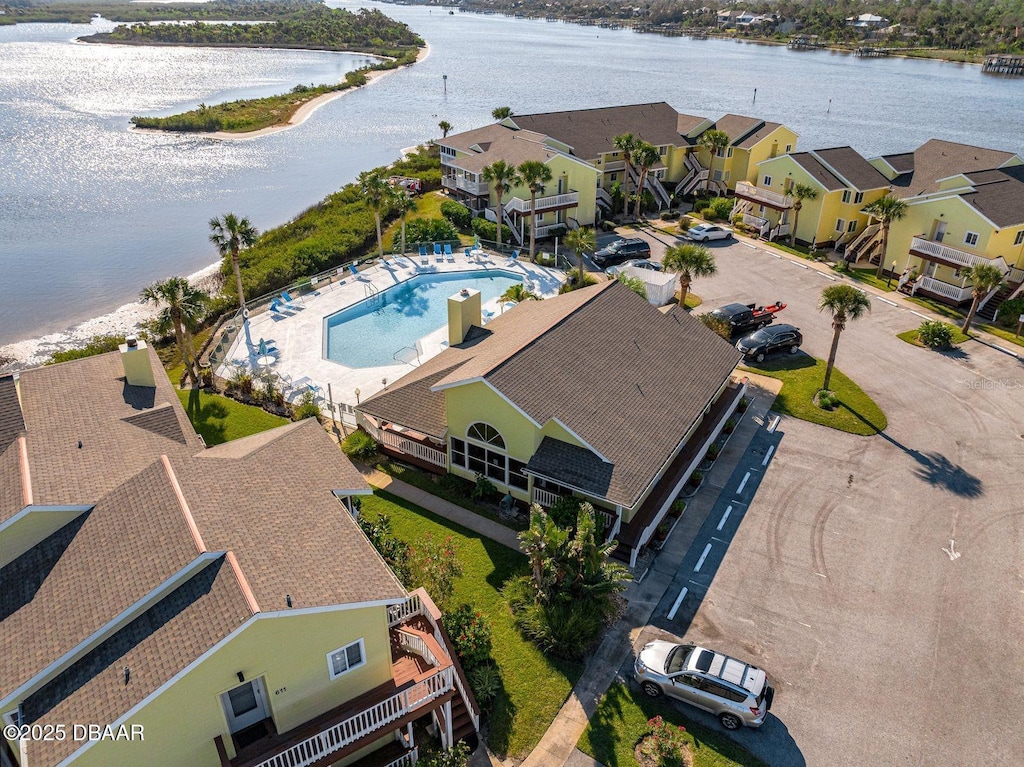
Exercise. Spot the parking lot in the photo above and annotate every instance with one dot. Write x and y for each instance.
(878, 580)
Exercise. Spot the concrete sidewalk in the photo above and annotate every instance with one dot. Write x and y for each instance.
(622, 639)
(450, 511)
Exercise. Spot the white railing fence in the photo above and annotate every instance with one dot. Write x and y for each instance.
(409, 447)
(545, 498)
(954, 255)
(1015, 275)
(944, 289)
(401, 613)
(777, 199)
(550, 201)
(408, 759)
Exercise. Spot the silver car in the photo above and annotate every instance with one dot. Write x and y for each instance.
(734, 691)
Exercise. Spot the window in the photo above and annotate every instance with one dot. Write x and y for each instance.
(615, 177)
(483, 452)
(852, 226)
(615, 154)
(767, 181)
(516, 475)
(729, 153)
(346, 658)
(789, 148)
(858, 198)
(846, 195)
(971, 238)
(662, 150)
(484, 432)
(840, 225)
(1019, 239)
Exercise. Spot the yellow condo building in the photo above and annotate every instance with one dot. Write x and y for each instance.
(594, 393)
(168, 604)
(751, 141)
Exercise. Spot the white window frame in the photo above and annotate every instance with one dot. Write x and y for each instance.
(852, 226)
(840, 224)
(344, 651)
(1019, 239)
(971, 238)
(858, 198)
(847, 194)
(767, 181)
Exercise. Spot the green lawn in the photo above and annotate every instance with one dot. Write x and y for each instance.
(427, 206)
(802, 377)
(534, 687)
(911, 337)
(958, 318)
(621, 720)
(220, 419)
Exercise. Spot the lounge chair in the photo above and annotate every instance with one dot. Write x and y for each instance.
(513, 259)
(287, 303)
(448, 255)
(287, 297)
(424, 259)
(437, 249)
(469, 253)
(354, 270)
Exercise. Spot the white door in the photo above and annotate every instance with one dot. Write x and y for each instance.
(245, 705)
(940, 230)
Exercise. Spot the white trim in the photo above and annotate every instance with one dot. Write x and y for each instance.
(586, 444)
(112, 626)
(967, 238)
(332, 608)
(344, 651)
(339, 494)
(481, 379)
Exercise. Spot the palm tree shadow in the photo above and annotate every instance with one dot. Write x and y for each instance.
(936, 469)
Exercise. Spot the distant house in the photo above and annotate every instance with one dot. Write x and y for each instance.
(867, 21)
(594, 394)
(220, 607)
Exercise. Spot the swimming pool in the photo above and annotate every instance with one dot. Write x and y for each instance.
(372, 332)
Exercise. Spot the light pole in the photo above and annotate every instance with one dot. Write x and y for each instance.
(357, 395)
(892, 271)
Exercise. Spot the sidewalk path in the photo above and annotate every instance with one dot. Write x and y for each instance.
(450, 511)
(559, 742)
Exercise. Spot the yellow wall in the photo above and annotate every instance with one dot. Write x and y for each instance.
(576, 177)
(20, 536)
(288, 652)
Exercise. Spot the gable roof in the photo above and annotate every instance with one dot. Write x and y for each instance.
(935, 160)
(12, 422)
(602, 362)
(492, 142)
(852, 168)
(744, 132)
(817, 171)
(998, 195)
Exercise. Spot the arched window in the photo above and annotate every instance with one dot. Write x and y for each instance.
(483, 452)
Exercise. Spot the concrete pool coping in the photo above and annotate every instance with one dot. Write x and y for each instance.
(300, 335)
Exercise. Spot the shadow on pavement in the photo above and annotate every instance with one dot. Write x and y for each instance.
(936, 469)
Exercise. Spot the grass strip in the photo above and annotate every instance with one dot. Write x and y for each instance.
(221, 419)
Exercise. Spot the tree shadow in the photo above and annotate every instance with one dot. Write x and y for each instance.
(955, 353)
(863, 419)
(207, 417)
(936, 469)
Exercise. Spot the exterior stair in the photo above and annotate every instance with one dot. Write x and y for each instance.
(863, 246)
(991, 307)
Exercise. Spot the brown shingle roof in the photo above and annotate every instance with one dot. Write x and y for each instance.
(851, 167)
(590, 132)
(155, 646)
(12, 423)
(817, 171)
(998, 195)
(606, 364)
(12, 499)
(937, 159)
(745, 131)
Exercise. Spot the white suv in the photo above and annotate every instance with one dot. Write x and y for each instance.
(734, 691)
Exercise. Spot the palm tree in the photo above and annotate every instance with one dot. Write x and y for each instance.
(581, 240)
(714, 141)
(402, 203)
(231, 234)
(504, 178)
(445, 127)
(801, 192)
(626, 143)
(688, 261)
(845, 303)
(645, 155)
(501, 113)
(986, 278)
(886, 209)
(517, 293)
(183, 307)
(535, 175)
(377, 192)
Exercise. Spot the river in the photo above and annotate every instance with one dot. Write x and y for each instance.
(91, 212)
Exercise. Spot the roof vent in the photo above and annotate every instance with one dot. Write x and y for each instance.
(131, 342)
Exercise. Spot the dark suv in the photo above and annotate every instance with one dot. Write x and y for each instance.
(622, 250)
(742, 318)
(774, 338)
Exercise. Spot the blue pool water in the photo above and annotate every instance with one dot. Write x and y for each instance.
(370, 333)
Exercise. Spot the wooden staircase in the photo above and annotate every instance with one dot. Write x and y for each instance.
(991, 307)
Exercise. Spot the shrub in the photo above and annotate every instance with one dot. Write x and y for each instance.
(1010, 310)
(95, 345)
(713, 452)
(270, 392)
(307, 407)
(708, 213)
(842, 266)
(392, 550)
(240, 382)
(454, 485)
(665, 744)
(435, 566)
(359, 446)
(470, 632)
(730, 426)
(559, 628)
(457, 213)
(484, 489)
(485, 682)
(677, 508)
(669, 215)
(827, 400)
(488, 230)
(633, 283)
(717, 325)
(696, 478)
(935, 334)
(608, 226)
(565, 510)
(428, 230)
(743, 405)
(721, 207)
(456, 756)
(685, 223)
(573, 282)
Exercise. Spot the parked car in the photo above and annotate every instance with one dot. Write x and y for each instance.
(734, 691)
(639, 263)
(776, 338)
(705, 232)
(622, 250)
(743, 318)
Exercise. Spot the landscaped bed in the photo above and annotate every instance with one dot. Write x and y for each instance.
(802, 377)
(533, 687)
(621, 721)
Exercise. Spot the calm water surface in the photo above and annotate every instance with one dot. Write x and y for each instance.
(91, 212)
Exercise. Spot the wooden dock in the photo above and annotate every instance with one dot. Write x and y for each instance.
(805, 43)
(872, 53)
(1003, 64)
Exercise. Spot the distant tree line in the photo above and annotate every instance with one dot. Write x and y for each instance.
(81, 12)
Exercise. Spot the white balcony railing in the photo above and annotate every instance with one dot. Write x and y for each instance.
(1015, 276)
(944, 289)
(544, 231)
(545, 498)
(478, 188)
(408, 759)
(920, 246)
(763, 196)
(416, 449)
(544, 203)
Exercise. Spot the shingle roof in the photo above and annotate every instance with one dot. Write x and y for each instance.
(493, 142)
(998, 195)
(817, 171)
(591, 132)
(745, 131)
(603, 362)
(155, 646)
(937, 159)
(12, 423)
(572, 466)
(853, 168)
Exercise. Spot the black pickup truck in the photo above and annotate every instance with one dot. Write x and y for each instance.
(744, 318)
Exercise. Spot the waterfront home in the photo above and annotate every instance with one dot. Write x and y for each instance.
(867, 21)
(178, 605)
(751, 141)
(843, 183)
(965, 205)
(594, 393)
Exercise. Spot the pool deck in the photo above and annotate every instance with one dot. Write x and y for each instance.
(296, 337)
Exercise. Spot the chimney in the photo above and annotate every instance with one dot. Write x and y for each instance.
(465, 308)
(138, 370)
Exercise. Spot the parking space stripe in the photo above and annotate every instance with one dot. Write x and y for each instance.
(743, 483)
(677, 603)
(768, 455)
(802, 266)
(721, 523)
(752, 247)
(886, 300)
(773, 255)
(700, 562)
(774, 424)
(918, 314)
